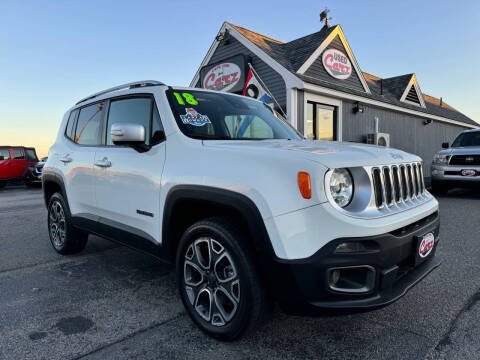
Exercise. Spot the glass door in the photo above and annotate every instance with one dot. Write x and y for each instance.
(321, 122)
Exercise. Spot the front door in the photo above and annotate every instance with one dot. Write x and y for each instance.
(6, 164)
(128, 181)
(321, 122)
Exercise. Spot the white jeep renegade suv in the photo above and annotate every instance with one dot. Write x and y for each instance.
(247, 210)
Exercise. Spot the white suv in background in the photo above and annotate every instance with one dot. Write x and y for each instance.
(247, 209)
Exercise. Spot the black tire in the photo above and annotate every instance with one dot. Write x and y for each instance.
(65, 238)
(2, 184)
(439, 188)
(246, 293)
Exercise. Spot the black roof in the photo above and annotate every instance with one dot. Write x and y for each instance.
(292, 55)
(16, 147)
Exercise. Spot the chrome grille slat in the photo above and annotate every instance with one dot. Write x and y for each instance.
(393, 185)
(396, 183)
(411, 186)
(421, 178)
(414, 179)
(406, 189)
(377, 187)
(384, 190)
(388, 185)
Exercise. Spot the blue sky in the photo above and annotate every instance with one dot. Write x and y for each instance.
(53, 53)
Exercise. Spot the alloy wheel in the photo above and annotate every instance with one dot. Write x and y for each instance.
(56, 220)
(211, 281)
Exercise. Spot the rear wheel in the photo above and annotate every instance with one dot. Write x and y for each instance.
(439, 188)
(218, 280)
(64, 237)
(2, 183)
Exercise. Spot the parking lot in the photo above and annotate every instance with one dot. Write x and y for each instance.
(112, 302)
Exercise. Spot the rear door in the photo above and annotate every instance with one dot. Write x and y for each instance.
(128, 181)
(83, 132)
(6, 164)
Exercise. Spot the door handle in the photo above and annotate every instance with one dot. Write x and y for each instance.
(66, 159)
(104, 163)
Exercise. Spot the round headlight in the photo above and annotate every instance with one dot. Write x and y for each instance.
(341, 187)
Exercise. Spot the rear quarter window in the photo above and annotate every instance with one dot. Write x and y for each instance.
(69, 132)
(31, 155)
(89, 123)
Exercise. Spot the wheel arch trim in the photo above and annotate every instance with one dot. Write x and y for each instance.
(49, 177)
(221, 197)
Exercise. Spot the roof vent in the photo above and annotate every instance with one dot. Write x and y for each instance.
(412, 96)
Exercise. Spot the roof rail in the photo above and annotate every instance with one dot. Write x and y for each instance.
(131, 85)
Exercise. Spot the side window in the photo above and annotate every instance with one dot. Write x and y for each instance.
(31, 155)
(4, 154)
(18, 154)
(133, 110)
(158, 133)
(70, 124)
(88, 127)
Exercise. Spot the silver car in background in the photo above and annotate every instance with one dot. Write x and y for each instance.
(457, 165)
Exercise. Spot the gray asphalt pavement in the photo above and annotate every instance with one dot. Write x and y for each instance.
(110, 302)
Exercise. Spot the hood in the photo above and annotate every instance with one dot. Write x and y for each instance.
(467, 150)
(328, 153)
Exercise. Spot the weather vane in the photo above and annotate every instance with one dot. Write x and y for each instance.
(324, 17)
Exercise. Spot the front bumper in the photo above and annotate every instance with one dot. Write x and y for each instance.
(34, 176)
(453, 174)
(302, 286)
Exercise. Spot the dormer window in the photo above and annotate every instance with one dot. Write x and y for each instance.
(412, 94)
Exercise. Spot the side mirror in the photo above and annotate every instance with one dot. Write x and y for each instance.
(445, 145)
(127, 134)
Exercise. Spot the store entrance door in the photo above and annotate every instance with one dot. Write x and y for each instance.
(321, 122)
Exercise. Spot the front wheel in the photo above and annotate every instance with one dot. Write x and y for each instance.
(2, 183)
(218, 280)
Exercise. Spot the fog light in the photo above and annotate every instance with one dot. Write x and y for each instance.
(334, 277)
(352, 279)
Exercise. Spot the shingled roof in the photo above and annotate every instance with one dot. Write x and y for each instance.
(293, 54)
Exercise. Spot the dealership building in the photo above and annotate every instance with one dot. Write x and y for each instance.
(317, 83)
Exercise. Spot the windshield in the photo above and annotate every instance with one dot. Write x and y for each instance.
(467, 139)
(205, 115)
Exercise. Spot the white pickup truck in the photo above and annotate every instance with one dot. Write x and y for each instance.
(248, 211)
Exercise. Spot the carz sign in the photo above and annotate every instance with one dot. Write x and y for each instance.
(337, 64)
(227, 75)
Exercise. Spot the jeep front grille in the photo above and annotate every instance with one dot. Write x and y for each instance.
(394, 184)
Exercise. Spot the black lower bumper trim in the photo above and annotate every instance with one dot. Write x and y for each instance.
(303, 287)
(387, 297)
